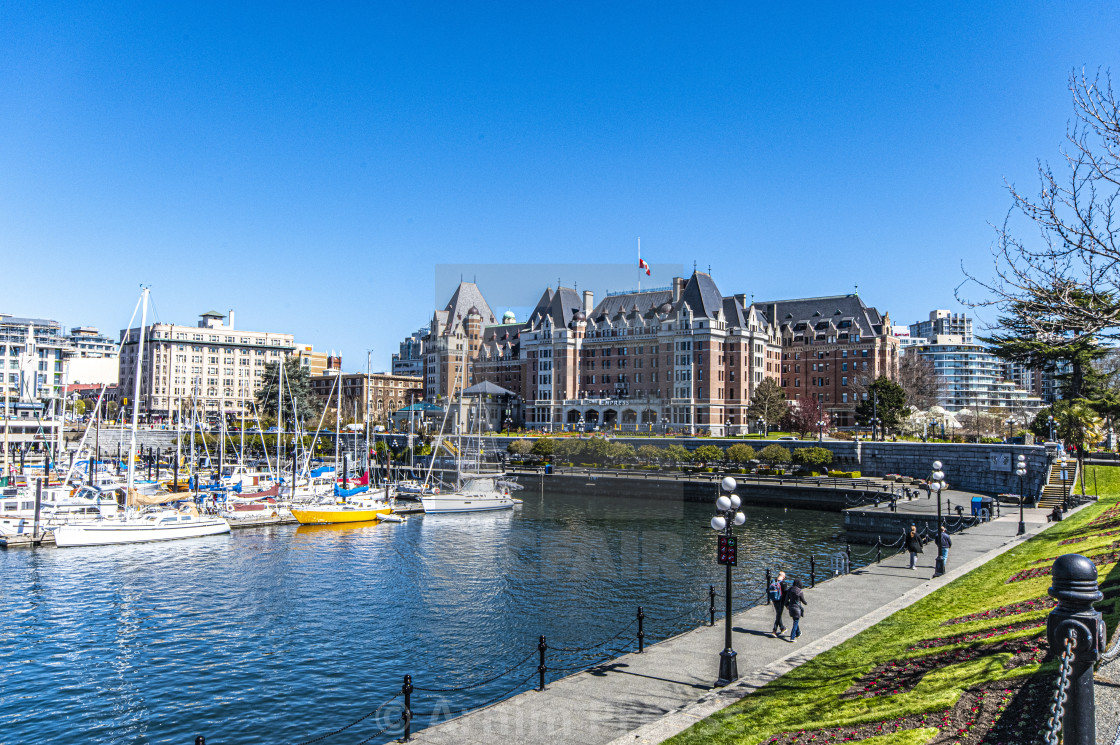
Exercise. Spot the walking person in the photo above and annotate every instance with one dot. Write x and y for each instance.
(944, 542)
(913, 545)
(795, 601)
(777, 594)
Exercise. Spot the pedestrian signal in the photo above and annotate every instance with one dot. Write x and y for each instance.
(727, 550)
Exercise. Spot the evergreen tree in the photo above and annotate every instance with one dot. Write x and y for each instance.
(768, 403)
(297, 385)
(885, 399)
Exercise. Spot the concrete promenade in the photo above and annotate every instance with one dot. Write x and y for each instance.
(649, 697)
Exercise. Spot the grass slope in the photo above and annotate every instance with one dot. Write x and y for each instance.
(812, 696)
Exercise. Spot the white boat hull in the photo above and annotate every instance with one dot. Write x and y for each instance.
(109, 533)
(453, 503)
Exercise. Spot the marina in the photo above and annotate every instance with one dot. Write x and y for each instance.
(239, 626)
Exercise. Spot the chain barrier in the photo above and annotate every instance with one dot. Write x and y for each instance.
(1112, 653)
(357, 721)
(1057, 708)
(383, 730)
(484, 704)
(479, 684)
(625, 628)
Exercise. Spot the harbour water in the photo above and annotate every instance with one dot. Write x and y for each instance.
(279, 635)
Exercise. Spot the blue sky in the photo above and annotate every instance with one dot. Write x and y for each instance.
(310, 166)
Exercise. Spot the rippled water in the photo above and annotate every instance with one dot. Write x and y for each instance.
(279, 635)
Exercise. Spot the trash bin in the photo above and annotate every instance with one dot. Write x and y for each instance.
(548, 468)
(977, 505)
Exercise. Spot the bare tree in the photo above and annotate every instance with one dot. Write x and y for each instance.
(918, 377)
(1067, 283)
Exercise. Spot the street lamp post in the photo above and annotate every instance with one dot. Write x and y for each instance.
(1021, 471)
(1051, 420)
(1010, 433)
(820, 430)
(761, 425)
(727, 429)
(936, 484)
(1065, 489)
(727, 515)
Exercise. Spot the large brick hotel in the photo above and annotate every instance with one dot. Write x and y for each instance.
(685, 356)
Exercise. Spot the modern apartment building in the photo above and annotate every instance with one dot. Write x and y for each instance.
(214, 363)
(88, 342)
(942, 323)
(971, 377)
(32, 354)
(832, 348)
(410, 359)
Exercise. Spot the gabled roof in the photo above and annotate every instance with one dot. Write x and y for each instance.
(559, 305)
(486, 388)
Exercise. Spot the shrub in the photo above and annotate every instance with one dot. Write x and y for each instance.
(774, 454)
(519, 447)
(740, 453)
(844, 474)
(543, 447)
(707, 454)
(813, 456)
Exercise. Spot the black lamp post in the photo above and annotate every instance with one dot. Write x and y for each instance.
(1065, 489)
(936, 484)
(727, 515)
(1051, 420)
(1010, 431)
(761, 425)
(1021, 471)
(727, 429)
(820, 430)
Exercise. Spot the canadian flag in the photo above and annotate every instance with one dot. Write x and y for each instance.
(643, 265)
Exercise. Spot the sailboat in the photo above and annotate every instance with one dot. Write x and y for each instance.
(154, 524)
(477, 492)
(344, 508)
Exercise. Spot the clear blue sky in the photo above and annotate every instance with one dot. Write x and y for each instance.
(310, 166)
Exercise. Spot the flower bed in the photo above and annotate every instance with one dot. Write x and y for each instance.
(1026, 606)
(994, 631)
(901, 675)
(1100, 560)
(1080, 539)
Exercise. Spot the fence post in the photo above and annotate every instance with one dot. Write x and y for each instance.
(848, 551)
(406, 715)
(768, 581)
(641, 630)
(541, 668)
(712, 604)
(812, 571)
(200, 740)
(1074, 586)
(878, 549)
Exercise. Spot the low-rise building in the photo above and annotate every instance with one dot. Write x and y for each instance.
(381, 394)
(32, 367)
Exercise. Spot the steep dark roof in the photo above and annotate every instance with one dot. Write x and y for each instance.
(702, 295)
(467, 297)
(559, 305)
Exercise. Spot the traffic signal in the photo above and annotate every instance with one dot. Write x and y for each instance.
(727, 550)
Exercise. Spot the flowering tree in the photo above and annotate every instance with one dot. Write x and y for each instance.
(804, 415)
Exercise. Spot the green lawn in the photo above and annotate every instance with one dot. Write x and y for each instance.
(931, 680)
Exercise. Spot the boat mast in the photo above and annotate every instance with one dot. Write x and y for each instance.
(136, 398)
(337, 422)
(280, 420)
(369, 357)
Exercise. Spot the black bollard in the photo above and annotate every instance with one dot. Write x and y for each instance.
(406, 715)
(878, 549)
(712, 604)
(848, 551)
(812, 571)
(1074, 586)
(541, 668)
(768, 581)
(641, 630)
(200, 740)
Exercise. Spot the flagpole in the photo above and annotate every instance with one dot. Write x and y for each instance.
(639, 264)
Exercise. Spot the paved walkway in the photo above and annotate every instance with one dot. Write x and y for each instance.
(648, 697)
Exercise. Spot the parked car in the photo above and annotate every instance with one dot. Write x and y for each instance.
(787, 437)
(254, 430)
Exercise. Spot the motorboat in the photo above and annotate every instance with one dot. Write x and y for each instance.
(56, 507)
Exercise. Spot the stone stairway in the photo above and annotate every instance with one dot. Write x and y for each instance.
(1056, 490)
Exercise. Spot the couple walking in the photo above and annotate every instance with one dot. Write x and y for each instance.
(783, 597)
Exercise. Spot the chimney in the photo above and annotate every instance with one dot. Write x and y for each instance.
(588, 301)
(231, 319)
(678, 287)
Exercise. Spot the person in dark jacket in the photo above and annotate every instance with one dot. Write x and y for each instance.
(777, 595)
(795, 602)
(913, 545)
(944, 542)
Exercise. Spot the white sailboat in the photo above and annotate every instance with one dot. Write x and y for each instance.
(477, 492)
(155, 524)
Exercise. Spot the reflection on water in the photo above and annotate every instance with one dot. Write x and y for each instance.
(276, 634)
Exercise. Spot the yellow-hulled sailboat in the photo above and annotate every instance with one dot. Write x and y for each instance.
(355, 511)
